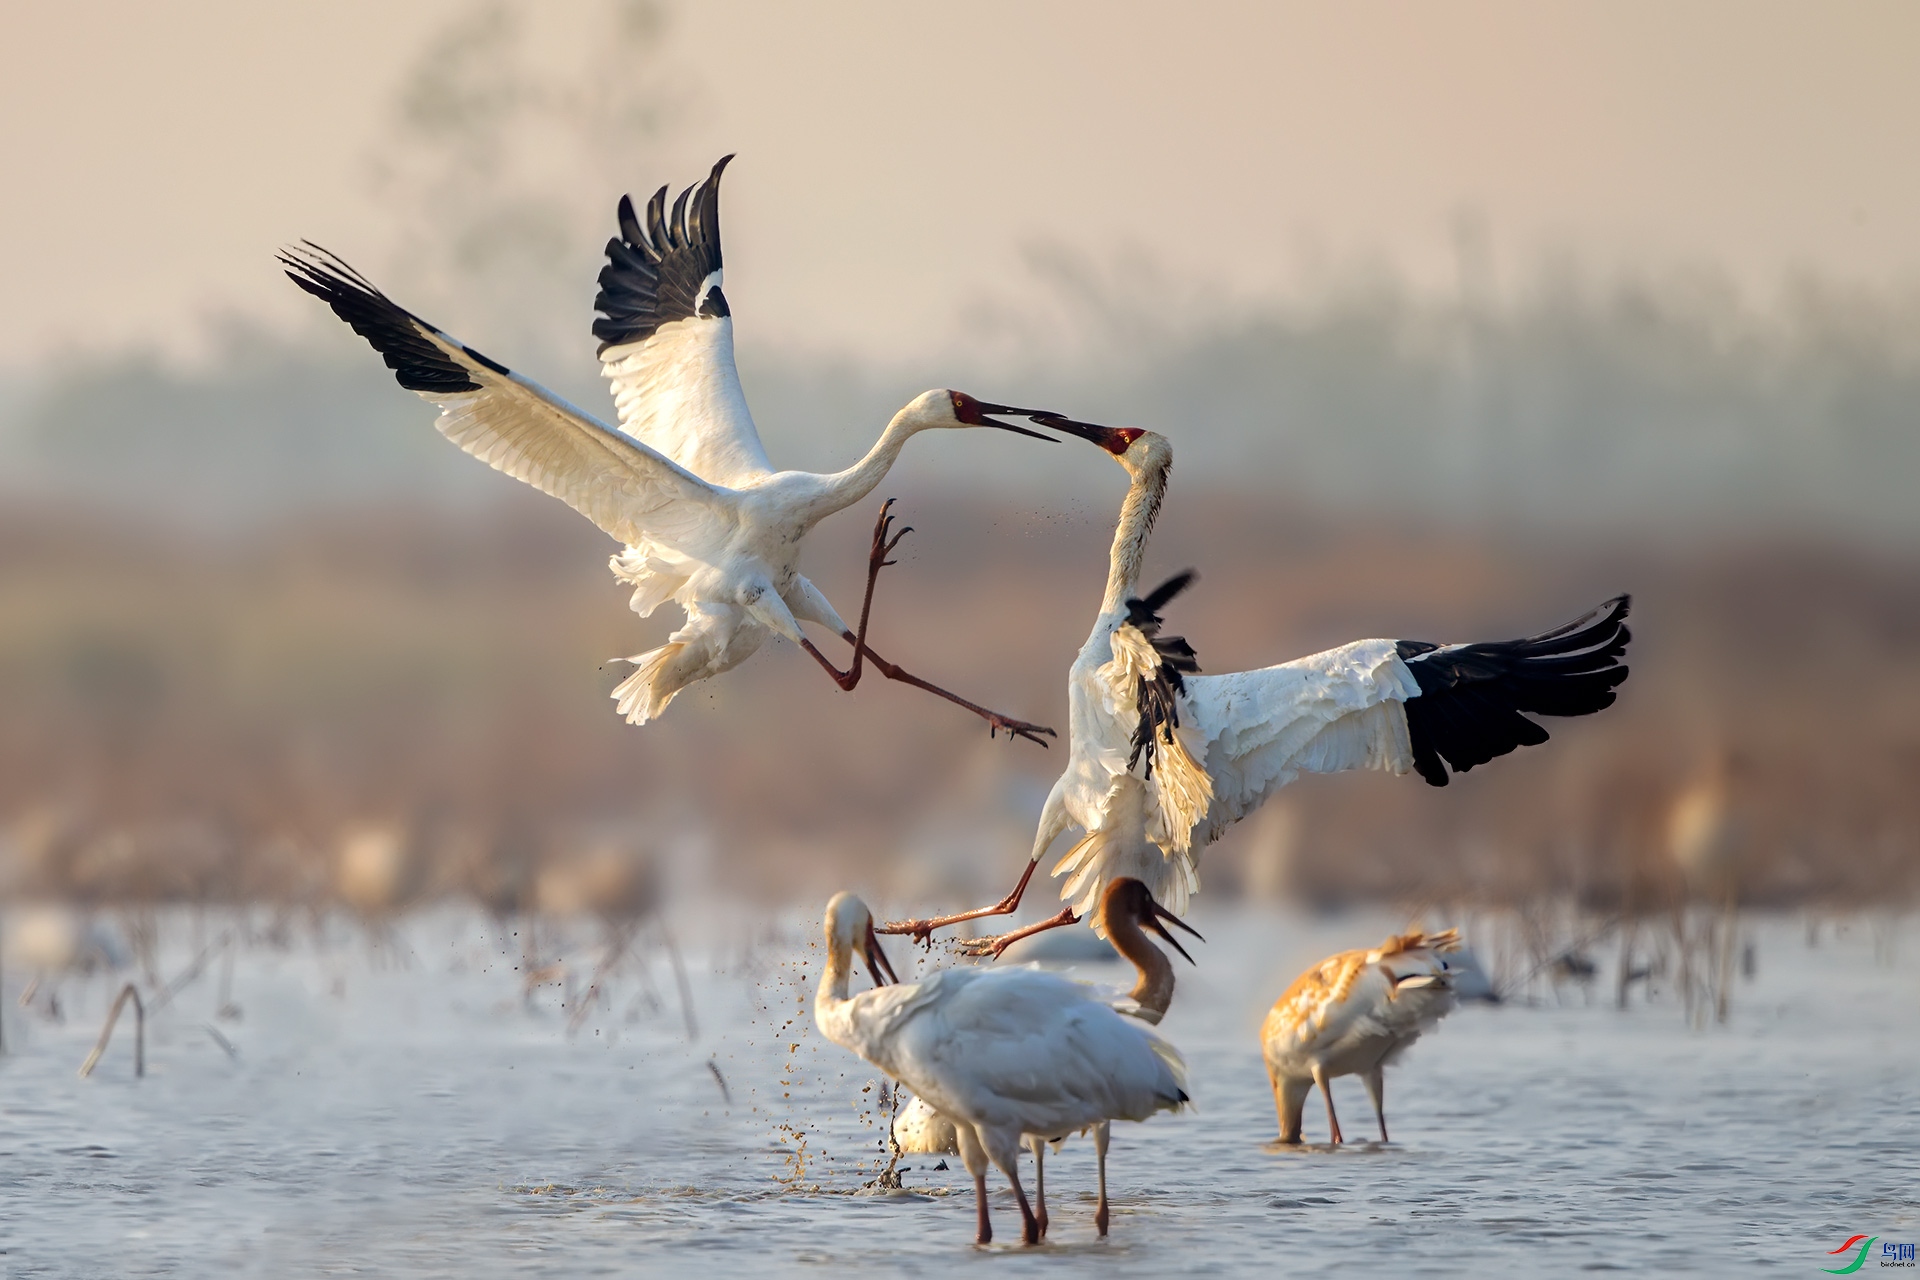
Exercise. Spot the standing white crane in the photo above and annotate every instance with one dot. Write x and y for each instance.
(683, 483)
(999, 1052)
(1163, 760)
(1352, 1014)
(1126, 913)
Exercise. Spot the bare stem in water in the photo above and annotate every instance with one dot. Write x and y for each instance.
(686, 992)
(106, 1033)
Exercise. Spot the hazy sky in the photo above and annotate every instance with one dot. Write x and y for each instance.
(895, 158)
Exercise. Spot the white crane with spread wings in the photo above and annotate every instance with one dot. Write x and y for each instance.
(1163, 760)
(683, 482)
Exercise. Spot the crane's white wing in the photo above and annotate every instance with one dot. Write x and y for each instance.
(1034, 1052)
(1399, 705)
(518, 427)
(666, 337)
(1325, 713)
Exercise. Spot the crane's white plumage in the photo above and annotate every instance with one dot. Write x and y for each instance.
(1352, 1014)
(683, 483)
(999, 1052)
(1162, 760)
(679, 392)
(1126, 912)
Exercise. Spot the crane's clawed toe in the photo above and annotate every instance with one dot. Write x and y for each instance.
(920, 930)
(1017, 729)
(983, 948)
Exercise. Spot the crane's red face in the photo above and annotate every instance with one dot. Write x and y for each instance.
(1115, 440)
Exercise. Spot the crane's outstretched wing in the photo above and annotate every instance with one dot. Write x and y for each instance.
(1398, 705)
(666, 337)
(519, 427)
(1471, 695)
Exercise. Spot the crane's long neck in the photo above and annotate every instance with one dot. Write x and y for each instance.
(830, 993)
(1137, 514)
(842, 489)
(1154, 990)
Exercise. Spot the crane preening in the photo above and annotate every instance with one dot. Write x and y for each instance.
(1352, 1014)
(1162, 760)
(683, 482)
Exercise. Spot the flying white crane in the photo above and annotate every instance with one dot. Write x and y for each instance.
(1352, 1014)
(999, 1052)
(683, 482)
(1163, 760)
(1126, 912)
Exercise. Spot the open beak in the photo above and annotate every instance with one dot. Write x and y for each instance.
(1156, 913)
(1011, 411)
(1115, 440)
(877, 960)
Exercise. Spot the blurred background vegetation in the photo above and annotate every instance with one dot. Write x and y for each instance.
(253, 609)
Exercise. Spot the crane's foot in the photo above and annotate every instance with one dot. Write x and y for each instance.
(922, 929)
(882, 544)
(885, 540)
(995, 947)
(997, 723)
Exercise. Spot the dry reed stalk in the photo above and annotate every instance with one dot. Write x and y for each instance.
(1723, 966)
(619, 938)
(1624, 977)
(226, 1045)
(188, 975)
(106, 1034)
(686, 992)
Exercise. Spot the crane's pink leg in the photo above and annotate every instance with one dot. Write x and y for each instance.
(1326, 1091)
(973, 1157)
(997, 947)
(1039, 1146)
(922, 930)
(876, 561)
(1101, 1132)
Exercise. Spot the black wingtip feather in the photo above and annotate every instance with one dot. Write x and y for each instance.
(655, 269)
(396, 333)
(1472, 696)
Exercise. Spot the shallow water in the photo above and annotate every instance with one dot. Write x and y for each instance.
(401, 1110)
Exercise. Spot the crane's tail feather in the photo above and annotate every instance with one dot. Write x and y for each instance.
(1180, 1099)
(643, 695)
(1101, 857)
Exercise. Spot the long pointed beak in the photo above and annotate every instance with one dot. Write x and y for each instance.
(1020, 431)
(1010, 410)
(1156, 913)
(877, 961)
(1115, 440)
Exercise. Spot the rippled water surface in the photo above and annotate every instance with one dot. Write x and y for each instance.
(402, 1110)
